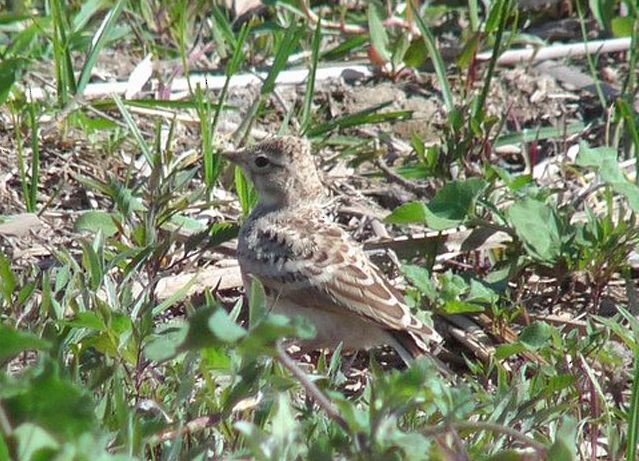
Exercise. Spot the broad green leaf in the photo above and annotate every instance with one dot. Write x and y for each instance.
(453, 203)
(461, 307)
(622, 26)
(536, 335)
(53, 403)
(408, 213)
(420, 278)
(166, 344)
(416, 54)
(284, 423)
(504, 351)
(273, 328)
(13, 342)
(536, 224)
(94, 221)
(34, 443)
(88, 319)
(604, 161)
(450, 207)
(480, 293)
(224, 328)
(181, 222)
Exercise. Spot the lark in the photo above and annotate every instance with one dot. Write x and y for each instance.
(309, 266)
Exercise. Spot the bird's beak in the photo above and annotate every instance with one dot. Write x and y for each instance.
(234, 156)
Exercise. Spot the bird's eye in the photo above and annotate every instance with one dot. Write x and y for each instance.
(261, 161)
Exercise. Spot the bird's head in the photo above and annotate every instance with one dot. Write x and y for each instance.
(282, 170)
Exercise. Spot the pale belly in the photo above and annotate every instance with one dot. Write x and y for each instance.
(333, 328)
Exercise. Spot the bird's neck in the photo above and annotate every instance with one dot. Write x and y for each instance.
(294, 205)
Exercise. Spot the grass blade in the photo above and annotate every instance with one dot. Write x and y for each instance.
(65, 80)
(98, 41)
(286, 47)
(438, 62)
(35, 160)
(146, 150)
(310, 86)
(633, 413)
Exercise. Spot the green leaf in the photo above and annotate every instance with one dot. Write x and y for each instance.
(453, 203)
(224, 328)
(165, 344)
(535, 335)
(94, 221)
(539, 133)
(449, 208)
(363, 117)
(536, 224)
(13, 342)
(307, 108)
(603, 11)
(4, 449)
(34, 443)
(289, 43)
(379, 37)
(53, 403)
(273, 328)
(257, 303)
(221, 232)
(7, 77)
(510, 455)
(633, 411)
(245, 191)
(88, 10)
(436, 58)
(8, 280)
(564, 447)
(420, 278)
(604, 160)
(480, 293)
(622, 26)
(99, 39)
(461, 307)
(134, 129)
(408, 213)
(503, 351)
(416, 54)
(344, 48)
(89, 320)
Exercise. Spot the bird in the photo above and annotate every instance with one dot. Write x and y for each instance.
(311, 267)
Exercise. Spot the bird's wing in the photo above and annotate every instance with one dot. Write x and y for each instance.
(316, 265)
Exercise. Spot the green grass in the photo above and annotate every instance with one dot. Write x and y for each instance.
(96, 364)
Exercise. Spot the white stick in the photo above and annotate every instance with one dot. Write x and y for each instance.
(528, 55)
(216, 81)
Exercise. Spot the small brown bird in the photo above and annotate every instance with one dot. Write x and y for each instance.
(310, 266)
